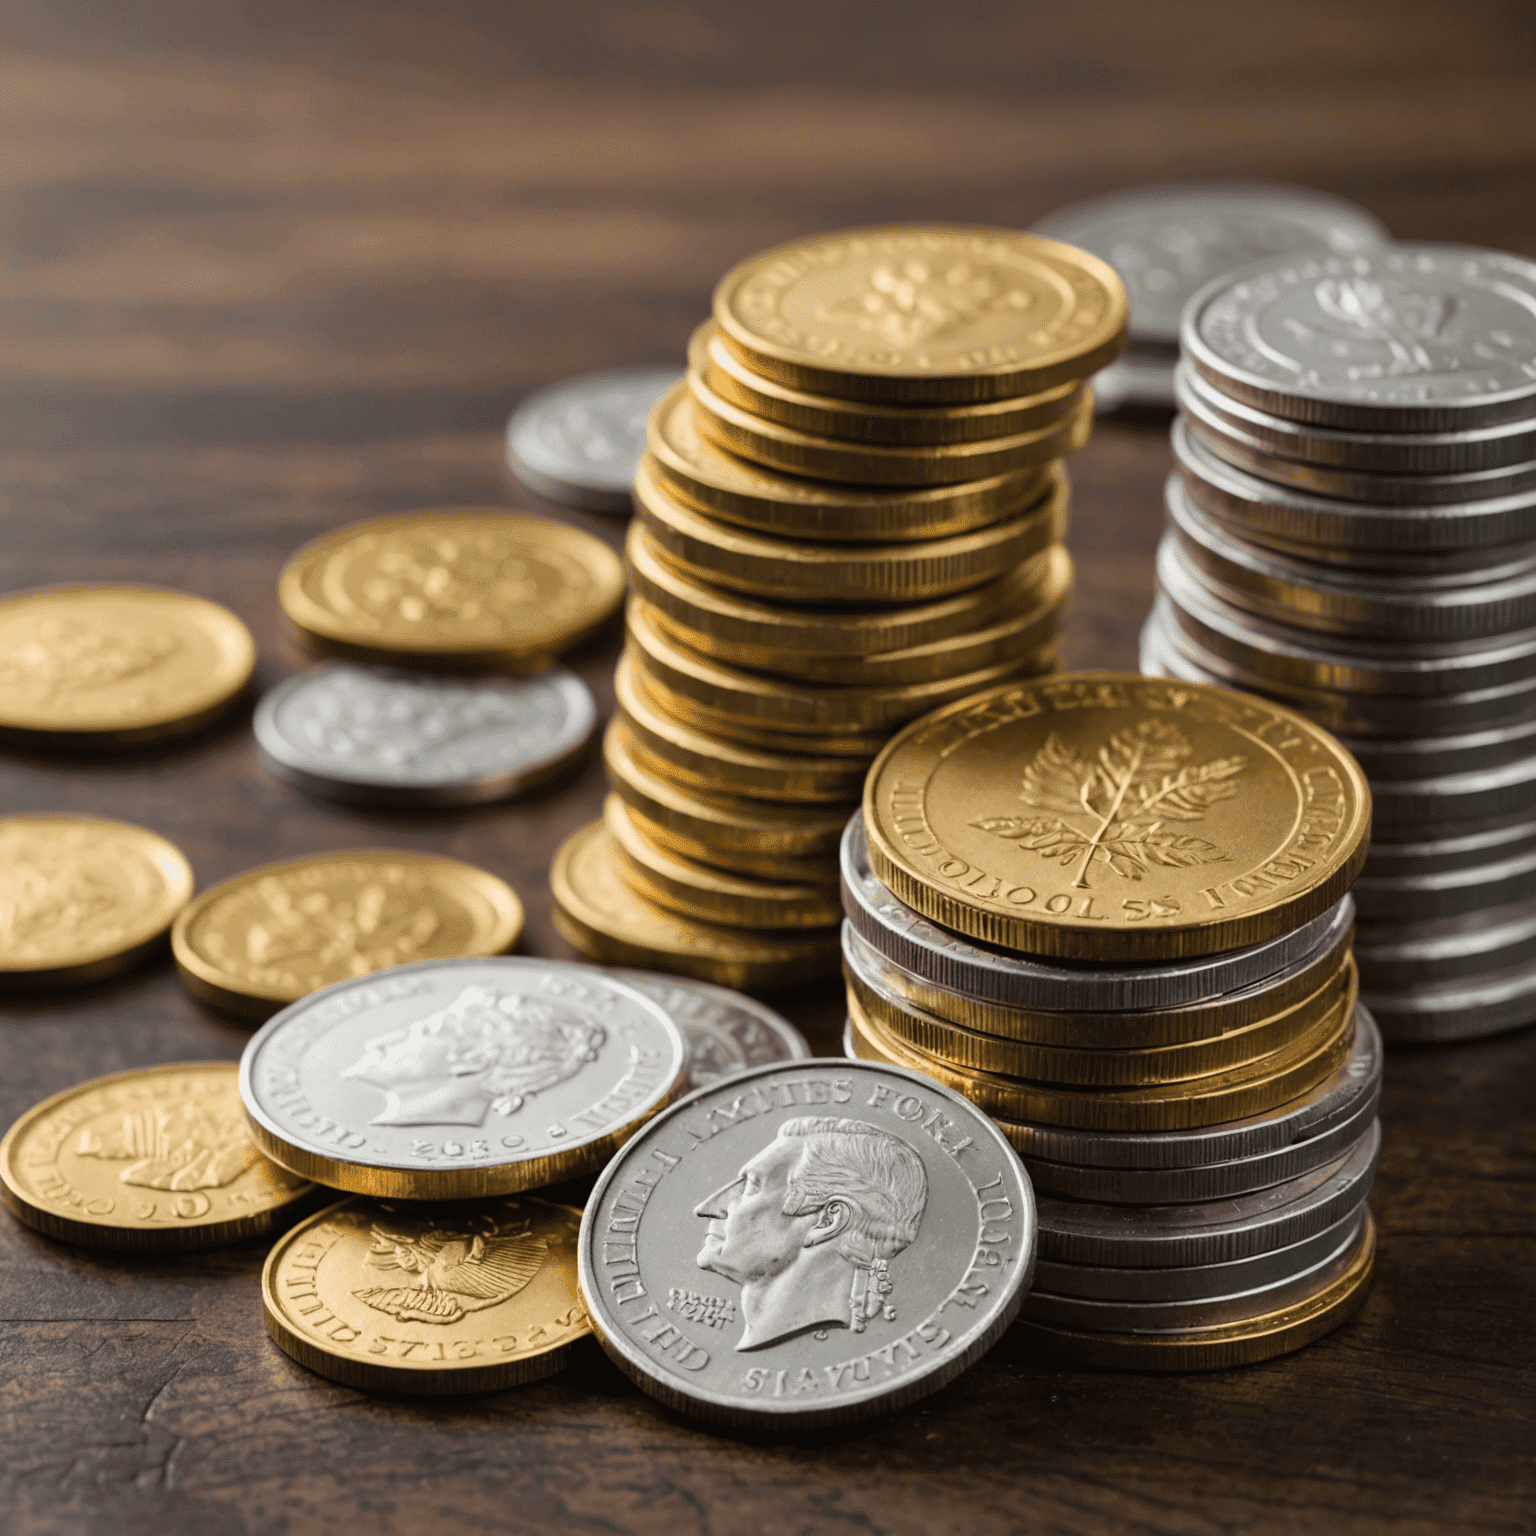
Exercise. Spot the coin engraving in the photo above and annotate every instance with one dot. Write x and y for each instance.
(62, 657)
(906, 302)
(183, 1146)
(450, 1272)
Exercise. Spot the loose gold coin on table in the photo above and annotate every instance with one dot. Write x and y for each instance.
(462, 587)
(278, 932)
(150, 1161)
(1107, 817)
(82, 897)
(104, 667)
(429, 1298)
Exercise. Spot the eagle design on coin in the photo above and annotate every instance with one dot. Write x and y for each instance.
(447, 1274)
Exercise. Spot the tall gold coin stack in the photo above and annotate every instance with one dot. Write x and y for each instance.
(1113, 912)
(850, 513)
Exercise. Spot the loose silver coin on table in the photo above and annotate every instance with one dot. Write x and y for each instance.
(580, 442)
(726, 1031)
(356, 733)
(807, 1244)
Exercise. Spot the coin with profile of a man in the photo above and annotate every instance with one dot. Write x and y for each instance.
(807, 1243)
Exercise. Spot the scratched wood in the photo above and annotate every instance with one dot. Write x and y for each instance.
(271, 268)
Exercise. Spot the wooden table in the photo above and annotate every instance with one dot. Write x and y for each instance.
(271, 268)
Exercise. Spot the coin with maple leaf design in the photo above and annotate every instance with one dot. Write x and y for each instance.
(1110, 817)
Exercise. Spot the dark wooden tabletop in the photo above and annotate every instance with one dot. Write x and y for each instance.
(269, 268)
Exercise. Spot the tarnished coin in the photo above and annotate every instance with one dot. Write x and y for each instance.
(1109, 817)
(434, 1299)
(578, 442)
(353, 733)
(807, 1244)
(727, 1032)
(152, 1161)
(82, 897)
(280, 931)
(478, 588)
(455, 1079)
(103, 667)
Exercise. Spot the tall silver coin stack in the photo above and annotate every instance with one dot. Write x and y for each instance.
(1160, 1249)
(1352, 532)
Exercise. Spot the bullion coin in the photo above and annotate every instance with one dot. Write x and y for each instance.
(1458, 1007)
(806, 1244)
(1474, 945)
(1446, 893)
(455, 1079)
(1406, 854)
(578, 442)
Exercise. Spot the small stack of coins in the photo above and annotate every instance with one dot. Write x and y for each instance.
(1113, 913)
(849, 513)
(1353, 532)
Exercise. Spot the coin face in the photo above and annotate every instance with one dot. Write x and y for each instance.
(282, 930)
(470, 1296)
(81, 897)
(806, 1244)
(578, 442)
(116, 665)
(923, 312)
(469, 586)
(454, 1079)
(154, 1160)
(355, 733)
(1116, 818)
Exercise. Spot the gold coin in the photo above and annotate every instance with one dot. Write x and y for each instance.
(923, 314)
(470, 587)
(1223, 1345)
(845, 574)
(732, 489)
(603, 917)
(82, 897)
(152, 1161)
(1107, 817)
(710, 895)
(673, 750)
(897, 425)
(281, 931)
(428, 1298)
(826, 458)
(116, 666)
(1219, 1096)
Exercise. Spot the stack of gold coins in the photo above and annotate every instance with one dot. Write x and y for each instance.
(849, 513)
(1113, 912)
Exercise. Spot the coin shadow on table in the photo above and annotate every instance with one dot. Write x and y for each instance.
(25, 1004)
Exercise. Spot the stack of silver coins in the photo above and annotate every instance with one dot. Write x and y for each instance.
(1171, 1249)
(1352, 532)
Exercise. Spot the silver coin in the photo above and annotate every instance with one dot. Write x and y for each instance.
(357, 733)
(1096, 1282)
(1428, 757)
(1003, 977)
(1461, 1008)
(1166, 242)
(1456, 800)
(1387, 453)
(1082, 1232)
(1403, 338)
(1132, 1316)
(580, 442)
(1442, 854)
(807, 1244)
(1447, 893)
(1140, 382)
(452, 1079)
(726, 1031)
(1398, 955)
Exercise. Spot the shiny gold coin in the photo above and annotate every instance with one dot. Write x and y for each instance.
(103, 667)
(895, 425)
(465, 587)
(428, 1297)
(82, 898)
(278, 932)
(849, 463)
(1107, 817)
(1219, 1096)
(923, 314)
(696, 891)
(603, 917)
(845, 574)
(673, 750)
(733, 490)
(153, 1161)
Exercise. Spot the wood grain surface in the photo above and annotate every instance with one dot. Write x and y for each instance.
(270, 268)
